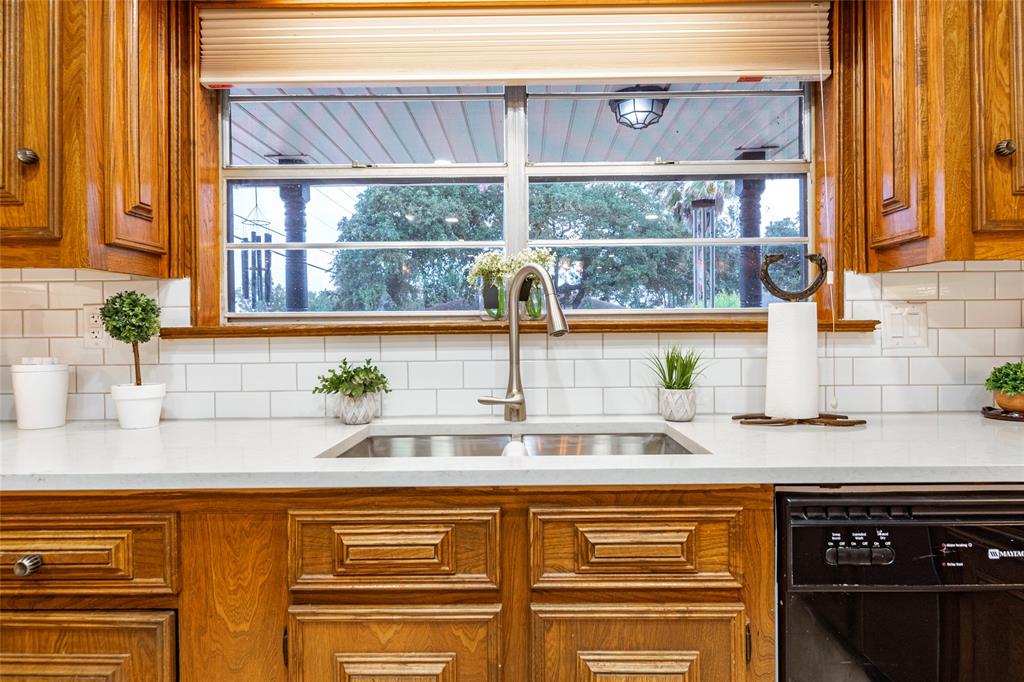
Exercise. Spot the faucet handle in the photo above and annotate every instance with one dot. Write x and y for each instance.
(517, 399)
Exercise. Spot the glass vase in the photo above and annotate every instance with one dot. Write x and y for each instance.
(533, 307)
(493, 305)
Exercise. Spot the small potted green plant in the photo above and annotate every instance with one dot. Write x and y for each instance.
(133, 317)
(677, 372)
(1007, 383)
(357, 388)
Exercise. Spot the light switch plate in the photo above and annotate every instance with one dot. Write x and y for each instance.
(904, 325)
(95, 334)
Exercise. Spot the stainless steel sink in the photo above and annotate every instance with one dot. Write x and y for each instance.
(560, 444)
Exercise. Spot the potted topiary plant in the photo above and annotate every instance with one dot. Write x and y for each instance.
(134, 318)
(677, 373)
(357, 388)
(1007, 382)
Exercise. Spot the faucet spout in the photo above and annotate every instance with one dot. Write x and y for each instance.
(515, 399)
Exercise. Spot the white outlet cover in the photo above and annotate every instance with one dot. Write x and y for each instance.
(904, 325)
(95, 335)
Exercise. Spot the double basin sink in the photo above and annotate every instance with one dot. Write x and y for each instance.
(542, 444)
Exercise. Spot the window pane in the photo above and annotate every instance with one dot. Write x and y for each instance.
(367, 131)
(690, 129)
(665, 278)
(323, 280)
(328, 211)
(753, 206)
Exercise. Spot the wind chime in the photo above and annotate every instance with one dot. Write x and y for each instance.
(257, 282)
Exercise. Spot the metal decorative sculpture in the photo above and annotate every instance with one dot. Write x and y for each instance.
(781, 293)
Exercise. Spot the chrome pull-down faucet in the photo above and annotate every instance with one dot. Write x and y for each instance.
(515, 400)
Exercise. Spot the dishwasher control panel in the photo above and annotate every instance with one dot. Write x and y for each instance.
(859, 547)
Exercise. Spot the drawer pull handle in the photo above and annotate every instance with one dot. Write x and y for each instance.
(1005, 148)
(27, 156)
(27, 565)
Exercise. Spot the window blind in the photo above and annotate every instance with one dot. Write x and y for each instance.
(717, 42)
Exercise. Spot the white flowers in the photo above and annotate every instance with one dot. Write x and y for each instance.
(494, 265)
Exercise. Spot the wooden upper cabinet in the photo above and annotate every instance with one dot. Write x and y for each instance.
(997, 52)
(895, 114)
(29, 122)
(89, 87)
(136, 83)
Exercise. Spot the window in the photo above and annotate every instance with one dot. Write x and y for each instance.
(372, 201)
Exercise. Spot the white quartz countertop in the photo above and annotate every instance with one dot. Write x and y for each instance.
(283, 453)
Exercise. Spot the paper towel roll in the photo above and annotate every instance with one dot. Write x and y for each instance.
(791, 390)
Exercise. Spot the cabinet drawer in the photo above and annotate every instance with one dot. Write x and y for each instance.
(90, 553)
(633, 547)
(592, 642)
(113, 646)
(389, 643)
(393, 549)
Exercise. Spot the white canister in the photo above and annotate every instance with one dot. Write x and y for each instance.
(40, 393)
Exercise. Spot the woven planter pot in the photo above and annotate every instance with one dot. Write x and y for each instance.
(677, 405)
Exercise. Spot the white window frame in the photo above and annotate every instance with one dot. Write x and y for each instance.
(515, 173)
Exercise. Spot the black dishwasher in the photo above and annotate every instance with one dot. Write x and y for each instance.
(901, 587)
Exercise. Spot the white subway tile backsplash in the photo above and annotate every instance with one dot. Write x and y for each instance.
(214, 377)
(241, 350)
(356, 349)
(590, 373)
(993, 314)
(271, 376)
(967, 285)
(1010, 285)
(1009, 342)
(630, 345)
(175, 317)
(909, 398)
(243, 405)
(435, 374)
(302, 349)
(188, 406)
(937, 370)
(410, 403)
(910, 286)
(974, 310)
(940, 266)
(878, 371)
(630, 401)
(7, 412)
(23, 296)
(149, 287)
(965, 341)
(415, 348)
(464, 347)
(570, 401)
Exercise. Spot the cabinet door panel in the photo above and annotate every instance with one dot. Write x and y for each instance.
(137, 70)
(93, 646)
(29, 121)
(638, 642)
(394, 643)
(997, 43)
(895, 118)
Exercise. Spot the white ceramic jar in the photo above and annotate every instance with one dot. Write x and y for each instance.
(40, 393)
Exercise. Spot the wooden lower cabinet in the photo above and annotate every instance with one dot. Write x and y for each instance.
(658, 584)
(88, 646)
(638, 642)
(394, 644)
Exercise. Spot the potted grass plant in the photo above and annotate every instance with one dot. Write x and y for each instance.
(677, 372)
(134, 318)
(357, 387)
(1007, 383)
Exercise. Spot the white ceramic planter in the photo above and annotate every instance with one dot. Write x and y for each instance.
(677, 405)
(138, 407)
(359, 410)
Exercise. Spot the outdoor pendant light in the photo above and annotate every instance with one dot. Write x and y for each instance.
(639, 112)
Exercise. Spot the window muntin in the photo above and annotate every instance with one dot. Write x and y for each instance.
(423, 264)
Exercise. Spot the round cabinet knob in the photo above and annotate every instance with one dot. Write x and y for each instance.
(27, 565)
(27, 156)
(1005, 147)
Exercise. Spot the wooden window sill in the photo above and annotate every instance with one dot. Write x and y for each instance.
(591, 326)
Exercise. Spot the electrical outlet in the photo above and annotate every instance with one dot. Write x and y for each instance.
(95, 335)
